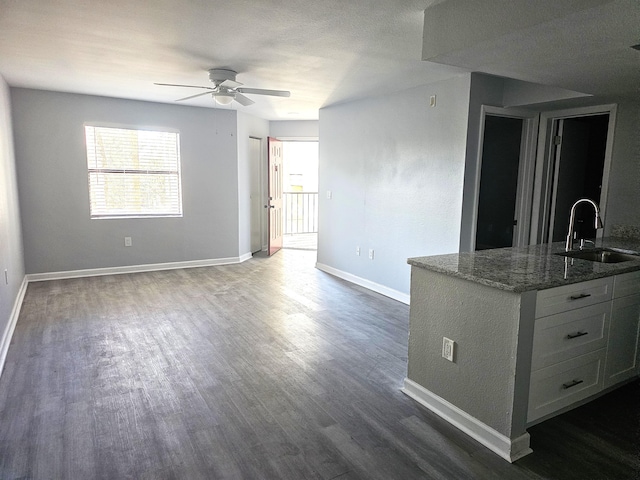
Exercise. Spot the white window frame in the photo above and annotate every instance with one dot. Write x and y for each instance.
(92, 170)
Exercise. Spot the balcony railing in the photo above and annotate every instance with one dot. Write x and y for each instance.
(300, 211)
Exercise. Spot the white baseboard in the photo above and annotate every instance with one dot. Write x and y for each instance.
(244, 257)
(94, 272)
(363, 282)
(511, 449)
(11, 325)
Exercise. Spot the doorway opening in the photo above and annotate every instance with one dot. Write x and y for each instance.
(578, 172)
(498, 182)
(300, 194)
(504, 181)
(574, 164)
(527, 178)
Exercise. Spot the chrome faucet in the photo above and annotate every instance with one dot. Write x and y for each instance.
(572, 219)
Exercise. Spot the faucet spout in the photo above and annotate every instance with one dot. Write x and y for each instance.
(572, 219)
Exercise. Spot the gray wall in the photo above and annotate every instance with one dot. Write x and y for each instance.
(54, 196)
(484, 323)
(395, 168)
(485, 90)
(11, 255)
(624, 194)
(248, 126)
(623, 204)
(293, 128)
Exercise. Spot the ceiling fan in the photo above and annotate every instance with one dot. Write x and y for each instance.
(225, 89)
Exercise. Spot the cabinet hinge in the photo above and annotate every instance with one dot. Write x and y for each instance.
(557, 140)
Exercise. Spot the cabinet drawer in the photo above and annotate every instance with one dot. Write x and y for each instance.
(576, 295)
(562, 384)
(570, 334)
(626, 284)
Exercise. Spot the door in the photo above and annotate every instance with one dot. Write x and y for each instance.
(255, 159)
(275, 195)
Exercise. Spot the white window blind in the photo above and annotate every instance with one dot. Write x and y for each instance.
(133, 173)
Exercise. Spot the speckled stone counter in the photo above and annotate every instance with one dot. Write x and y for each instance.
(535, 267)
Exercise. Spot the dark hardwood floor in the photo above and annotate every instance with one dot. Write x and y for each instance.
(268, 369)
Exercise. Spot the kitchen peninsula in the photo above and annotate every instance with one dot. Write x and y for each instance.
(536, 333)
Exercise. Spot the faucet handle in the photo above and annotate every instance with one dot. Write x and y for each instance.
(583, 241)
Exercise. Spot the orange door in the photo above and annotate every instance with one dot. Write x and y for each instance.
(275, 195)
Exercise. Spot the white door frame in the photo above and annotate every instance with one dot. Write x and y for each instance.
(256, 174)
(545, 167)
(526, 170)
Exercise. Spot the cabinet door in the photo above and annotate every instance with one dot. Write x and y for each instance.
(626, 284)
(622, 351)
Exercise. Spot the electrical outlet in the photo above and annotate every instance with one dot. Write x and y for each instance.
(448, 347)
(371, 254)
(329, 194)
(358, 251)
(127, 241)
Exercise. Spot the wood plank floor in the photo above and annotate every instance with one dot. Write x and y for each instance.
(269, 369)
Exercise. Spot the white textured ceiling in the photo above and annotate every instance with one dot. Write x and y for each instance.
(579, 45)
(323, 51)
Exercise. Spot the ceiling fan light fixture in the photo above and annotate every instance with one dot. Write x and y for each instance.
(225, 89)
(223, 98)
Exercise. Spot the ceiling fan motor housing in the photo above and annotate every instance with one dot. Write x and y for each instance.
(219, 75)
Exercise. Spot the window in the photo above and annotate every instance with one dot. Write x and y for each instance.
(133, 173)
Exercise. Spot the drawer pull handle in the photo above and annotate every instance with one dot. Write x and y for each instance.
(572, 383)
(578, 297)
(576, 335)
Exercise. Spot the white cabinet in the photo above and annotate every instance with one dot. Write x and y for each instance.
(565, 383)
(575, 295)
(624, 332)
(570, 340)
(585, 340)
(569, 334)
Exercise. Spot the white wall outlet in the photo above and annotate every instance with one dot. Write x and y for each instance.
(371, 254)
(329, 194)
(127, 241)
(448, 347)
(358, 251)
(432, 101)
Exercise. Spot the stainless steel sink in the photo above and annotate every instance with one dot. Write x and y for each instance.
(602, 255)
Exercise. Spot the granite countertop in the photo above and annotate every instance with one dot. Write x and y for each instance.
(534, 267)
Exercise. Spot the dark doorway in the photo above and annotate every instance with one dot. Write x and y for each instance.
(498, 182)
(579, 165)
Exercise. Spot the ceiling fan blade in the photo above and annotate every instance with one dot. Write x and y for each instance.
(188, 86)
(242, 100)
(193, 96)
(230, 84)
(260, 91)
